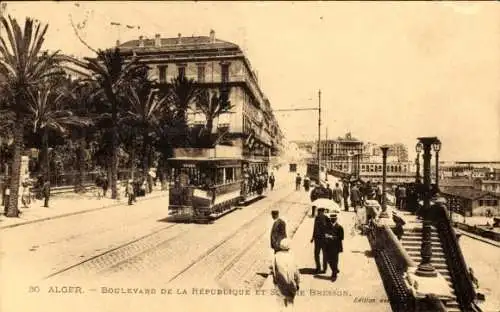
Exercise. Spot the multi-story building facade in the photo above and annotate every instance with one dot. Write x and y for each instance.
(343, 154)
(213, 62)
(397, 151)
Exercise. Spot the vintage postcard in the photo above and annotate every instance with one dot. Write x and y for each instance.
(249, 156)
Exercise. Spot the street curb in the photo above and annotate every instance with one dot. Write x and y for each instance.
(69, 214)
(479, 238)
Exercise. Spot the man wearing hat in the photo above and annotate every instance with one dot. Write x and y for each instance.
(278, 231)
(334, 236)
(320, 224)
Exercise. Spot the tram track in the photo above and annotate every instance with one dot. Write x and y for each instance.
(231, 250)
(247, 273)
(134, 252)
(119, 248)
(168, 251)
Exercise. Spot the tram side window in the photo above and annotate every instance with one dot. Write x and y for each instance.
(237, 173)
(229, 175)
(220, 176)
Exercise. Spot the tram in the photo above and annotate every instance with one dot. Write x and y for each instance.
(313, 172)
(204, 187)
(255, 179)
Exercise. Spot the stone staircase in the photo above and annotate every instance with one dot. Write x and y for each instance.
(412, 241)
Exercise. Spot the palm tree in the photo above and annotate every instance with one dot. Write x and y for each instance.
(113, 73)
(84, 100)
(213, 104)
(145, 112)
(49, 110)
(181, 94)
(22, 67)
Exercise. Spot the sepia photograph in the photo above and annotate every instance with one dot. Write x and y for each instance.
(329, 156)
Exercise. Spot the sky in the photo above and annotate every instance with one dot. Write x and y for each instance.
(388, 72)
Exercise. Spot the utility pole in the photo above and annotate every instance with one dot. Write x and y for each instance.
(327, 156)
(319, 136)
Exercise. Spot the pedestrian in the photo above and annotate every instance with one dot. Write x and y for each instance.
(329, 192)
(25, 195)
(271, 181)
(46, 193)
(345, 194)
(129, 192)
(318, 237)
(355, 197)
(334, 237)
(379, 193)
(337, 194)
(315, 194)
(105, 185)
(402, 198)
(286, 275)
(397, 195)
(307, 183)
(98, 184)
(6, 196)
(398, 229)
(278, 231)
(298, 179)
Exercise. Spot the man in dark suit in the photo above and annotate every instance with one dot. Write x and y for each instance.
(320, 224)
(345, 194)
(329, 192)
(334, 236)
(278, 231)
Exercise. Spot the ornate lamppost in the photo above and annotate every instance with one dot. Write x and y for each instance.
(436, 146)
(384, 149)
(418, 149)
(425, 268)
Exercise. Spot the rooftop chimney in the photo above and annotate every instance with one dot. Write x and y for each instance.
(117, 43)
(157, 41)
(179, 40)
(141, 41)
(212, 36)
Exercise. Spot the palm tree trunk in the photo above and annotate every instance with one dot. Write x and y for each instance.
(114, 144)
(145, 156)
(80, 157)
(210, 124)
(15, 175)
(114, 165)
(132, 159)
(208, 134)
(109, 169)
(45, 147)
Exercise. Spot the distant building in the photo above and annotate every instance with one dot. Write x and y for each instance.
(474, 202)
(343, 154)
(397, 151)
(488, 185)
(213, 62)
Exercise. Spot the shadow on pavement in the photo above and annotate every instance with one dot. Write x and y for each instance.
(307, 271)
(323, 277)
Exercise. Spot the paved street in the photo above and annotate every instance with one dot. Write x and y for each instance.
(124, 245)
(485, 261)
